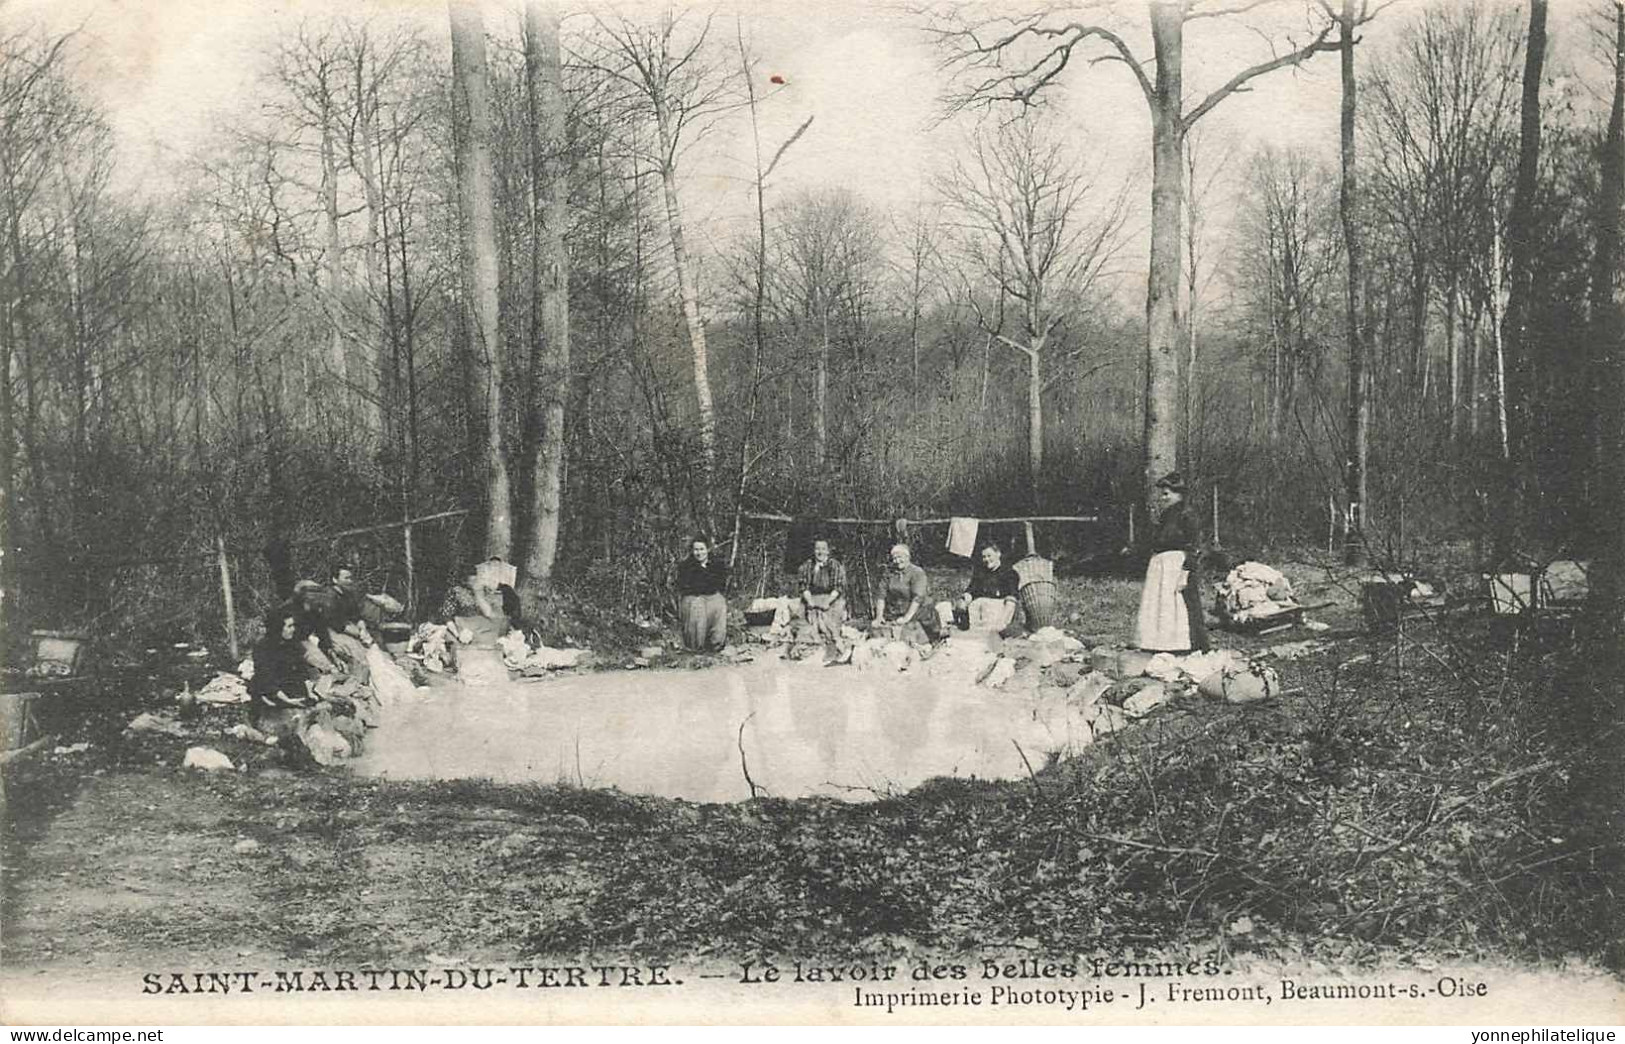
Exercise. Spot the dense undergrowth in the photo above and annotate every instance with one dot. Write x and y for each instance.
(1450, 793)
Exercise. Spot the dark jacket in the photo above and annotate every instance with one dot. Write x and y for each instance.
(342, 606)
(280, 673)
(695, 579)
(993, 583)
(1176, 530)
(309, 618)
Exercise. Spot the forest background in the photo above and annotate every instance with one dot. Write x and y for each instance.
(606, 277)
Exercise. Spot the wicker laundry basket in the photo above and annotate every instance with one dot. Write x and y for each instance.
(1039, 597)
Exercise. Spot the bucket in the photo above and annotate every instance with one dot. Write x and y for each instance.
(395, 637)
(1038, 600)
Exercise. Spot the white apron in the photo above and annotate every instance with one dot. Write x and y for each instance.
(1163, 625)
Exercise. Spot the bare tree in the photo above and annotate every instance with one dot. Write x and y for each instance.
(918, 231)
(664, 67)
(1442, 114)
(34, 124)
(830, 254)
(1016, 58)
(479, 260)
(550, 376)
(1205, 167)
(1608, 349)
(1521, 237)
(312, 70)
(376, 64)
(1353, 15)
(1288, 272)
(1034, 223)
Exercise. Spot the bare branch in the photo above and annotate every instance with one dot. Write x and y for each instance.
(791, 140)
(1240, 80)
(1196, 10)
(1017, 345)
(968, 48)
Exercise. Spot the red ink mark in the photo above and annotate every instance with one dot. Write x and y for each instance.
(775, 79)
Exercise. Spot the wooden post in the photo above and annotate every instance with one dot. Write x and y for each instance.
(1131, 525)
(225, 592)
(1215, 514)
(1032, 548)
(411, 576)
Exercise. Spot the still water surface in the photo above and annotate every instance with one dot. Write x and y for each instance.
(835, 732)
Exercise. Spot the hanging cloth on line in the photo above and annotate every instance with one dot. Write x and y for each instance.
(962, 536)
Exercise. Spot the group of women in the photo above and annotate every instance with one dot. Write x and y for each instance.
(312, 666)
(1169, 619)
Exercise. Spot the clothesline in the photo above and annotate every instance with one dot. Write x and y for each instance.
(212, 553)
(768, 517)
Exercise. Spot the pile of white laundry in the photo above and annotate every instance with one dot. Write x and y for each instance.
(1252, 591)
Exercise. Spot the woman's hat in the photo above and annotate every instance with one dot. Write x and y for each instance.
(1172, 482)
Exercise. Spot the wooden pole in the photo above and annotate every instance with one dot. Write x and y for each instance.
(1131, 525)
(411, 574)
(763, 516)
(1331, 522)
(225, 593)
(1032, 548)
(1215, 512)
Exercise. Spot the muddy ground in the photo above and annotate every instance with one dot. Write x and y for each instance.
(1418, 808)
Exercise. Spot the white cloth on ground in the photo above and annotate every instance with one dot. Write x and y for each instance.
(1163, 624)
(962, 536)
(389, 681)
(991, 614)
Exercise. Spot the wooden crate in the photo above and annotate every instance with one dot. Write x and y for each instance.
(60, 653)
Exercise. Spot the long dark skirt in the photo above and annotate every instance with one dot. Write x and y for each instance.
(1195, 584)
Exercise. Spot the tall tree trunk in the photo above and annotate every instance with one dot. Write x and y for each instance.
(1452, 314)
(1189, 396)
(1497, 346)
(23, 348)
(987, 364)
(1475, 376)
(380, 375)
(479, 261)
(1162, 285)
(1420, 368)
(1035, 423)
(550, 266)
(821, 393)
(8, 491)
(1608, 358)
(688, 291)
(1359, 400)
(1521, 371)
(334, 260)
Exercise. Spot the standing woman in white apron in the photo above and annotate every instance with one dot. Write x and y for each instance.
(1170, 618)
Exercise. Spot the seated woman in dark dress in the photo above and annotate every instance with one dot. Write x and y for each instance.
(282, 698)
(280, 686)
